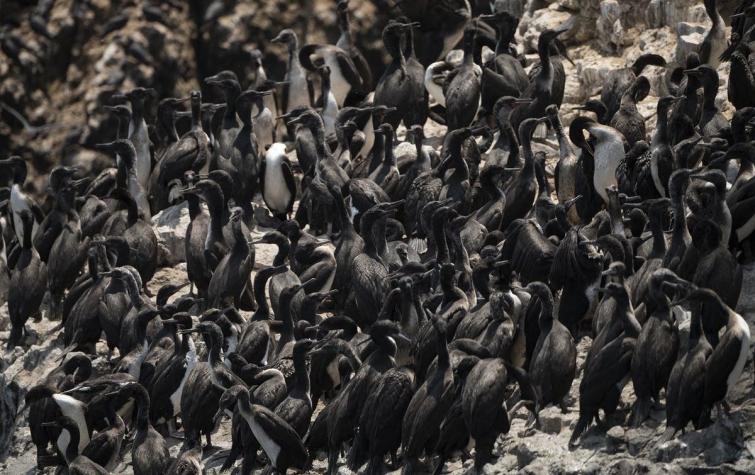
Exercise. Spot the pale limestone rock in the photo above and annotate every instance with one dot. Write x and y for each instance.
(170, 227)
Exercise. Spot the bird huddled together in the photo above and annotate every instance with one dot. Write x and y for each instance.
(421, 292)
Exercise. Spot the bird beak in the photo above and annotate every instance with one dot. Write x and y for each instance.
(403, 338)
(572, 201)
(104, 147)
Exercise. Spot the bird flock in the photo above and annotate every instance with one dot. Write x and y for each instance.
(420, 295)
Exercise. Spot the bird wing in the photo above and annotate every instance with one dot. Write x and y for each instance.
(282, 433)
(290, 183)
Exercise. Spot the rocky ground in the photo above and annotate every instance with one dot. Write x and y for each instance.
(62, 79)
(728, 446)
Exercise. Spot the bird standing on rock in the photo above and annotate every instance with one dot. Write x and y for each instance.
(368, 288)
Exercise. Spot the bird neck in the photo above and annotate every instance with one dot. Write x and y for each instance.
(196, 116)
(216, 208)
(710, 90)
(659, 240)
(563, 142)
(378, 152)
(324, 90)
(283, 250)
(244, 111)
(505, 35)
(490, 185)
(659, 302)
(389, 158)
(344, 24)
(410, 44)
(92, 265)
(141, 400)
(215, 351)
(263, 310)
(240, 245)
(137, 113)
(28, 226)
(418, 148)
(318, 131)
(546, 313)
(614, 212)
(287, 330)
(342, 215)
(195, 208)
(131, 207)
(301, 373)
(370, 248)
(712, 11)
(293, 52)
(626, 313)
(661, 131)
(468, 57)
(680, 219)
(378, 234)
(401, 56)
(695, 329)
(167, 122)
(443, 357)
(229, 118)
(439, 236)
(122, 131)
(528, 156)
(543, 51)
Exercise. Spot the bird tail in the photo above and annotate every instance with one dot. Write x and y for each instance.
(332, 460)
(408, 467)
(56, 307)
(358, 453)
(640, 411)
(483, 453)
(375, 466)
(418, 244)
(579, 429)
(441, 463)
(704, 420)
